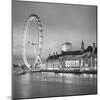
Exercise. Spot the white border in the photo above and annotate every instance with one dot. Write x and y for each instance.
(5, 48)
(86, 2)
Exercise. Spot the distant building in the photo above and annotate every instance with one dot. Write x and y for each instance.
(82, 46)
(66, 47)
(80, 59)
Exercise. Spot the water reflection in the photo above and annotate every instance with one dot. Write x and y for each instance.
(51, 84)
(89, 75)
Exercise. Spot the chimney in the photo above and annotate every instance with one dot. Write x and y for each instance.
(93, 47)
(82, 46)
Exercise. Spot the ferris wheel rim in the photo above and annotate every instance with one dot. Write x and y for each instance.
(40, 37)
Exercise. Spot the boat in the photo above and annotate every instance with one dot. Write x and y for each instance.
(20, 72)
(35, 70)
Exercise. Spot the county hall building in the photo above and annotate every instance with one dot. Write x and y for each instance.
(68, 59)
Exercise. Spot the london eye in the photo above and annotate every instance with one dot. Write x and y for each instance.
(37, 62)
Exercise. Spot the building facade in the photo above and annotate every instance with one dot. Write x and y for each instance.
(83, 59)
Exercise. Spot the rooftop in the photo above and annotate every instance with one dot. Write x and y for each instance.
(77, 52)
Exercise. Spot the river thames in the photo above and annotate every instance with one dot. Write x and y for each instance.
(47, 84)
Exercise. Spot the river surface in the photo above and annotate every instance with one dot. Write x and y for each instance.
(44, 84)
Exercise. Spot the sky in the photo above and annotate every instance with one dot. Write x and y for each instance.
(61, 23)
